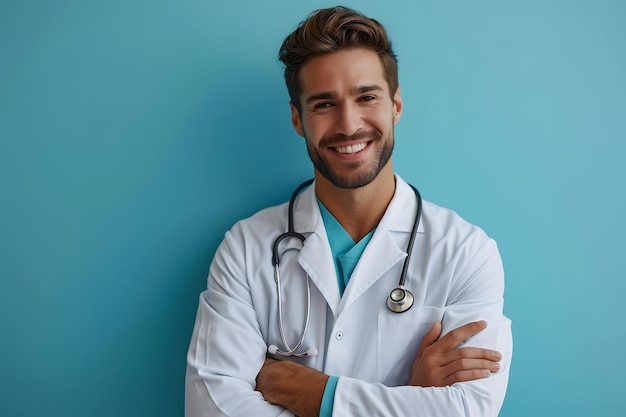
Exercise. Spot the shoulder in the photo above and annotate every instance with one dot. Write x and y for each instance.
(466, 254)
(264, 223)
(445, 228)
(251, 237)
(436, 221)
(442, 220)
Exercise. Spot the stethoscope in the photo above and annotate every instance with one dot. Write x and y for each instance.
(399, 300)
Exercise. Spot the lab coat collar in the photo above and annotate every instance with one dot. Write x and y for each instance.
(400, 213)
(307, 217)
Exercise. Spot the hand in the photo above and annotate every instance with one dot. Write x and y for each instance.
(439, 363)
(296, 387)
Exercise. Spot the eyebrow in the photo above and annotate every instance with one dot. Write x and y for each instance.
(366, 89)
(355, 92)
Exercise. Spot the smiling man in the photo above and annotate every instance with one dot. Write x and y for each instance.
(347, 117)
(357, 298)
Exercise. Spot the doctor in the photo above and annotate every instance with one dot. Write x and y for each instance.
(448, 354)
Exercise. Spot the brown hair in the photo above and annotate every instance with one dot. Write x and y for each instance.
(330, 30)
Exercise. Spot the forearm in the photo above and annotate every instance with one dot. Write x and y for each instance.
(296, 387)
(218, 384)
(220, 396)
(478, 398)
(220, 379)
(359, 398)
(300, 389)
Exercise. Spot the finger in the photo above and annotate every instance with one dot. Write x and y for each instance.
(430, 337)
(471, 353)
(464, 376)
(463, 365)
(459, 335)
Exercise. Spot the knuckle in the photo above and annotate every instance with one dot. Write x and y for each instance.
(482, 373)
(464, 363)
(430, 362)
(464, 353)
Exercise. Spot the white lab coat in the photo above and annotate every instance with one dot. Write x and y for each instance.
(455, 275)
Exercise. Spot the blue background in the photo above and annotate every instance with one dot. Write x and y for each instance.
(134, 133)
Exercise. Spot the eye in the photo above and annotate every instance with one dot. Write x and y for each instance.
(368, 98)
(323, 105)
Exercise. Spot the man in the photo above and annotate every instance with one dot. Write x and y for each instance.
(256, 351)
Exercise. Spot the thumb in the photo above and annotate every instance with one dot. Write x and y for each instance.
(430, 337)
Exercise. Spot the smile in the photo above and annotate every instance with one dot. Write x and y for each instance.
(351, 148)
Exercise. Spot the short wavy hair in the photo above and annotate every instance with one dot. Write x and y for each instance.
(330, 30)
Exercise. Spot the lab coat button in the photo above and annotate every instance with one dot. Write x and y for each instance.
(339, 335)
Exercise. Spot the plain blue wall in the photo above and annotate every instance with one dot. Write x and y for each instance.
(134, 133)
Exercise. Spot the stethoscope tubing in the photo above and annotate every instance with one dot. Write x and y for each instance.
(395, 305)
(289, 350)
(409, 249)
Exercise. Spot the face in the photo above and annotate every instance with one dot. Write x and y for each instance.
(347, 117)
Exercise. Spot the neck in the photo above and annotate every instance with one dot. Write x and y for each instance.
(358, 210)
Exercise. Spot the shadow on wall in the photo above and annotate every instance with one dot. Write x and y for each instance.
(253, 156)
(243, 155)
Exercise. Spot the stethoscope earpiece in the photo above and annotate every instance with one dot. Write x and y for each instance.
(400, 300)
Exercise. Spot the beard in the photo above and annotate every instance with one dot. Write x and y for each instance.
(359, 174)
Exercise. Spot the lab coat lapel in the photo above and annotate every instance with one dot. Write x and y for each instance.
(384, 250)
(381, 254)
(315, 257)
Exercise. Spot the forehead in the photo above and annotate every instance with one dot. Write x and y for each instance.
(341, 71)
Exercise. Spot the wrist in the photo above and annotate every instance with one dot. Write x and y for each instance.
(296, 387)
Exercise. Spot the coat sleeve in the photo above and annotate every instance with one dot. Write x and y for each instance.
(226, 350)
(476, 293)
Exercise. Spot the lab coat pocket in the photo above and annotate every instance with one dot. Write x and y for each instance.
(399, 338)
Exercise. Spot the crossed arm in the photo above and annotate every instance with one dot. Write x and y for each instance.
(227, 353)
(438, 363)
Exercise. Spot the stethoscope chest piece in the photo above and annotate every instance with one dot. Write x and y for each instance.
(400, 300)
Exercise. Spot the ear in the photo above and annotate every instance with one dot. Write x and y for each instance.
(295, 119)
(397, 106)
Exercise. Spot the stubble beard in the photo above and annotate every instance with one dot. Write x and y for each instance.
(359, 176)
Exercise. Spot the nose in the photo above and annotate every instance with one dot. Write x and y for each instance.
(348, 120)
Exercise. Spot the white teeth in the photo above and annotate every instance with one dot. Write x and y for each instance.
(351, 148)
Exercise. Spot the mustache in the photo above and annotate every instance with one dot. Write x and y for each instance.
(332, 140)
